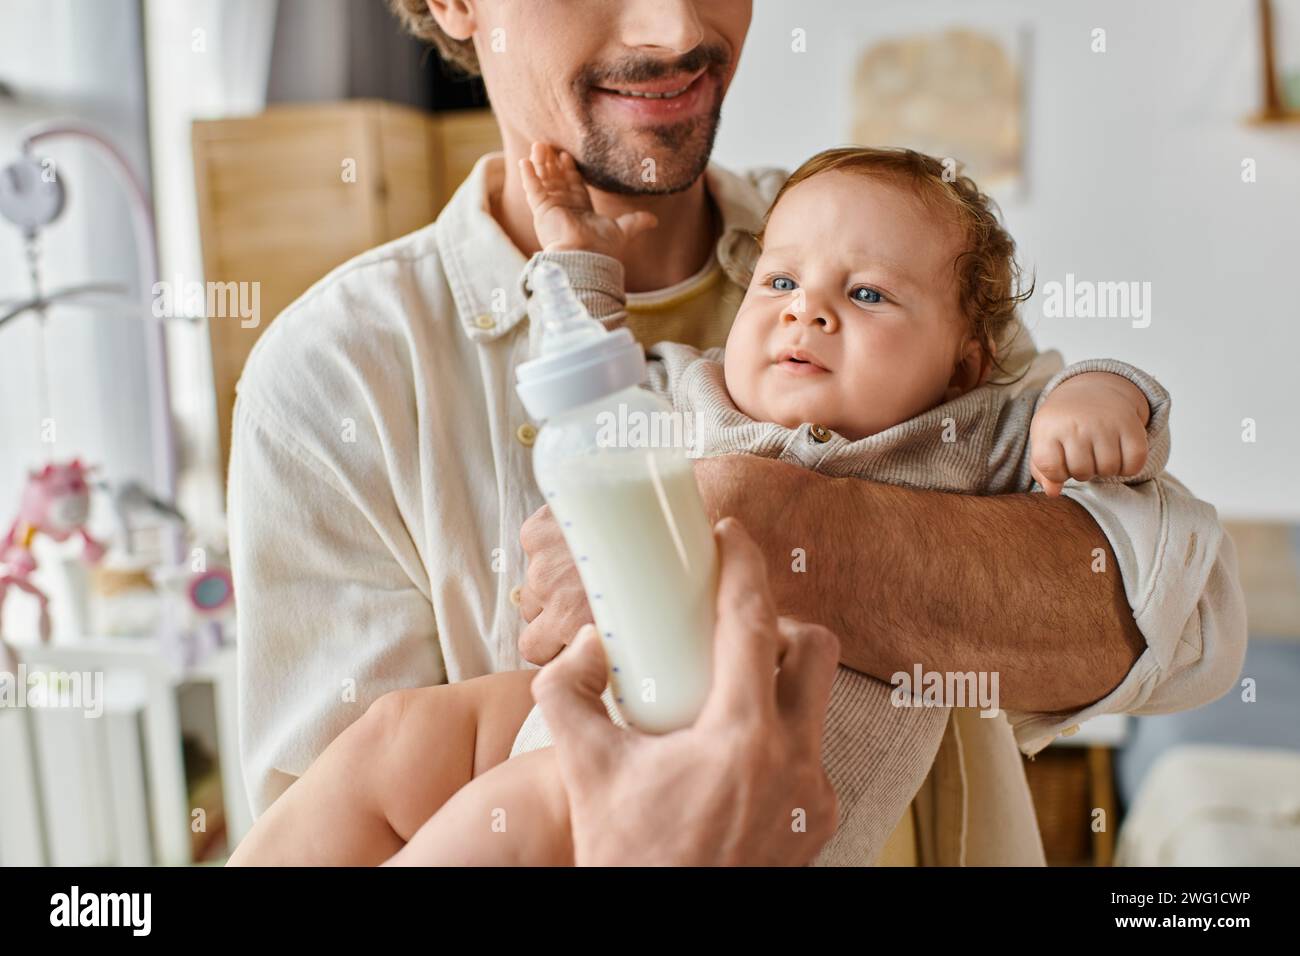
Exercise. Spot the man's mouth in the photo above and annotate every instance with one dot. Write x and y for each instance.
(673, 98)
(668, 89)
(800, 362)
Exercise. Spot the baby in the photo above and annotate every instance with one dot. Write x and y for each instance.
(864, 347)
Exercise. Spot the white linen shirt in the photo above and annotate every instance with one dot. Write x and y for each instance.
(381, 469)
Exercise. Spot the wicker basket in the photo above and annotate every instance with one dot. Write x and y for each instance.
(1068, 784)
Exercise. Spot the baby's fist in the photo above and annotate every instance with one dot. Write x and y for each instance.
(1092, 426)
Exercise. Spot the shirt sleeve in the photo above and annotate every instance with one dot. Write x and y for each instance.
(329, 617)
(667, 363)
(1179, 569)
(597, 279)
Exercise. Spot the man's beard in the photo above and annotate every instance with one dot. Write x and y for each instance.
(610, 165)
(607, 163)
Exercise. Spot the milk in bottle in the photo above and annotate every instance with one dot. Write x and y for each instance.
(630, 512)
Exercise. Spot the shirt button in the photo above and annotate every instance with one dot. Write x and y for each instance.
(819, 433)
(527, 434)
(516, 594)
(485, 322)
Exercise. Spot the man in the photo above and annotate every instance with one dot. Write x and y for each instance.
(381, 460)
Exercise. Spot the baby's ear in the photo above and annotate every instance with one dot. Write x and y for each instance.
(973, 368)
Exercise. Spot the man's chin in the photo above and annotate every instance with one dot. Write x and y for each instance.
(646, 176)
(623, 184)
(655, 161)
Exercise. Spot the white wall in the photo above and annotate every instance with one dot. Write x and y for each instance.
(67, 59)
(205, 58)
(1134, 169)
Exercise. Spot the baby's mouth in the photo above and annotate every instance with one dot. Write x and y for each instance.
(800, 362)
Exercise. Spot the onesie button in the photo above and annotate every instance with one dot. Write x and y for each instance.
(516, 595)
(819, 433)
(527, 434)
(485, 322)
(1071, 731)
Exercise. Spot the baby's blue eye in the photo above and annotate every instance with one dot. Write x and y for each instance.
(869, 296)
(788, 284)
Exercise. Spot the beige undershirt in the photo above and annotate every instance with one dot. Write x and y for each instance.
(698, 311)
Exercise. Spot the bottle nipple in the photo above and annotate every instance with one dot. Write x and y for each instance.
(565, 323)
(577, 360)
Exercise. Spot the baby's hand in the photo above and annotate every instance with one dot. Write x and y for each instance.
(1092, 426)
(563, 217)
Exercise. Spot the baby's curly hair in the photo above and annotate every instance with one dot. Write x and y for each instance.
(989, 280)
(459, 55)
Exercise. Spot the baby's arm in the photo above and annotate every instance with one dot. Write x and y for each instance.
(386, 774)
(585, 244)
(1100, 419)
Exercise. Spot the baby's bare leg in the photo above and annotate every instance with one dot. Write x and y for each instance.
(516, 814)
(387, 773)
(442, 745)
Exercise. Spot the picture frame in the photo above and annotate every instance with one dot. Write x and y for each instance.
(1279, 41)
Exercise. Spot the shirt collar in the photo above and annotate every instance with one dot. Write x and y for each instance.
(482, 265)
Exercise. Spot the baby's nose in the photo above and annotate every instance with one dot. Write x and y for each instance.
(810, 317)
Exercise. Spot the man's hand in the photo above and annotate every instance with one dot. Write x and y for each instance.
(563, 216)
(745, 784)
(552, 599)
(1092, 426)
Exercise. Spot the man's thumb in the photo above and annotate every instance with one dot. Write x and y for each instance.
(568, 692)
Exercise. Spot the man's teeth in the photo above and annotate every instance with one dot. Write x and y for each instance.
(654, 96)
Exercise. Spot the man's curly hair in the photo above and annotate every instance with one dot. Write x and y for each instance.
(989, 281)
(459, 55)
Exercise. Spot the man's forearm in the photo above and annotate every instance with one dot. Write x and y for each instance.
(952, 582)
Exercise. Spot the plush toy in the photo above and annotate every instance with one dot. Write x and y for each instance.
(55, 503)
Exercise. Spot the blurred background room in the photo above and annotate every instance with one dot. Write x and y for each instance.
(176, 172)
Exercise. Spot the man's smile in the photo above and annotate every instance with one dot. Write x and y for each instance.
(671, 99)
(668, 87)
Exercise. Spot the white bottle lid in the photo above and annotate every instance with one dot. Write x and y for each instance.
(581, 361)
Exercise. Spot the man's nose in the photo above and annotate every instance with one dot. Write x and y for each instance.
(670, 25)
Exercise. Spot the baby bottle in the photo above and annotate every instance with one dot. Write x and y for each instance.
(630, 511)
